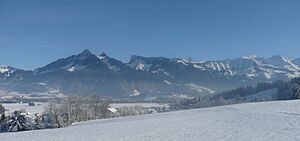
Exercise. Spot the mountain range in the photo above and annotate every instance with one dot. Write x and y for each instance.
(144, 77)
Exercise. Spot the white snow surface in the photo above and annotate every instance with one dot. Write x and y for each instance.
(167, 82)
(3, 69)
(276, 121)
(76, 68)
(135, 93)
(38, 109)
(200, 88)
(6, 70)
(147, 105)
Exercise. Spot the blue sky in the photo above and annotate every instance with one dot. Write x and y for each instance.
(36, 32)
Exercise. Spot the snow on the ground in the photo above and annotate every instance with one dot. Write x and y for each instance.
(39, 107)
(276, 121)
(147, 105)
(200, 88)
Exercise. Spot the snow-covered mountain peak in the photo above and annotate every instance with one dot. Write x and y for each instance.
(182, 61)
(71, 64)
(283, 62)
(102, 56)
(138, 63)
(166, 73)
(85, 61)
(251, 57)
(4, 69)
(7, 70)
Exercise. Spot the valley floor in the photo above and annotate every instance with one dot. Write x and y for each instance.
(266, 121)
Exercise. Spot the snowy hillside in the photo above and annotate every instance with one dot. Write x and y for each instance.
(249, 67)
(6, 70)
(276, 121)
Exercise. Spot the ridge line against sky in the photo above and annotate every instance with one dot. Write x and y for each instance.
(36, 32)
(193, 60)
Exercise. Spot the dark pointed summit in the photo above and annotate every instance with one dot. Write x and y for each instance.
(103, 54)
(85, 52)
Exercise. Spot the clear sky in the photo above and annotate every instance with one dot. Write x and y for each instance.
(36, 32)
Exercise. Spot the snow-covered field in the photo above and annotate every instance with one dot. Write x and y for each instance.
(38, 108)
(147, 105)
(276, 121)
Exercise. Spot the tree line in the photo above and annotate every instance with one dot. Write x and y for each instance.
(286, 90)
(61, 113)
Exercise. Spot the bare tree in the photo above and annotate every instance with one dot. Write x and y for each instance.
(76, 109)
(53, 110)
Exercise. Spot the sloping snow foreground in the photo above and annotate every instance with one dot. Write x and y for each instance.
(276, 121)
